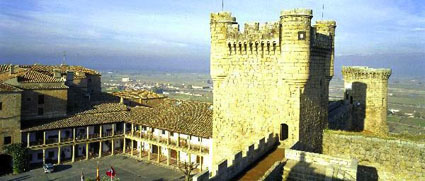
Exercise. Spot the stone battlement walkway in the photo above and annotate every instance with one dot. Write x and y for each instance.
(258, 169)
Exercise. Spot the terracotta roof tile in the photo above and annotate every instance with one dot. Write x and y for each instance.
(32, 76)
(8, 88)
(101, 114)
(186, 117)
(138, 94)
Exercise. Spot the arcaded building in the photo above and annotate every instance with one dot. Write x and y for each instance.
(60, 114)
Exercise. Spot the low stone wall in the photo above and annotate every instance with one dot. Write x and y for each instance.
(301, 165)
(273, 173)
(379, 158)
(243, 159)
(202, 176)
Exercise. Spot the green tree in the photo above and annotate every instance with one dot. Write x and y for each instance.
(417, 114)
(19, 156)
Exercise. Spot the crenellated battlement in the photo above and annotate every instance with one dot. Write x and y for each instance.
(222, 17)
(297, 12)
(363, 72)
(267, 38)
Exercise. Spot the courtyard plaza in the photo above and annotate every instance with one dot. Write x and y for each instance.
(125, 168)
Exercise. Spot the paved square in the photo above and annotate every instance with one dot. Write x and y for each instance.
(126, 169)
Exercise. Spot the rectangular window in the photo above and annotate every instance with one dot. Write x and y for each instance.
(163, 131)
(40, 156)
(40, 99)
(1, 106)
(40, 111)
(7, 140)
(51, 154)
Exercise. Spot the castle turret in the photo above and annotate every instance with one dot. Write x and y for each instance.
(219, 25)
(367, 89)
(325, 31)
(296, 43)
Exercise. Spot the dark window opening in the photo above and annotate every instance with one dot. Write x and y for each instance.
(40, 156)
(40, 99)
(283, 131)
(163, 131)
(51, 154)
(1, 106)
(40, 111)
(7, 140)
(351, 99)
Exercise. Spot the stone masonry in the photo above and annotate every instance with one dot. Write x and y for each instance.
(380, 158)
(270, 75)
(367, 89)
(10, 116)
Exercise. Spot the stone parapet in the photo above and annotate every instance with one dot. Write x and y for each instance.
(362, 72)
(379, 158)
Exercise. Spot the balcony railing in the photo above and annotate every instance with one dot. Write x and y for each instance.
(81, 137)
(106, 134)
(66, 139)
(94, 135)
(51, 140)
(169, 141)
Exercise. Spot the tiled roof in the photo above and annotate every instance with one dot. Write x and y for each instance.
(8, 88)
(61, 68)
(186, 117)
(101, 114)
(137, 94)
(4, 67)
(32, 76)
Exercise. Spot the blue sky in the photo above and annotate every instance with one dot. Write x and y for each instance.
(174, 34)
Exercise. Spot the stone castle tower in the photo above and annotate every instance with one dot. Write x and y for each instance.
(367, 89)
(270, 79)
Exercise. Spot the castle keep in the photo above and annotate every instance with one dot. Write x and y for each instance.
(270, 79)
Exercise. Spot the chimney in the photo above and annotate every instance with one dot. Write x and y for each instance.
(57, 74)
(121, 100)
(69, 78)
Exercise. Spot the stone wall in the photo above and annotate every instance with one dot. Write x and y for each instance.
(367, 89)
(228, 169)
(383, 158)
(302, 165)
(55, 103)
(273, 173)
(340, 115)
(10, 117)
(268, 75)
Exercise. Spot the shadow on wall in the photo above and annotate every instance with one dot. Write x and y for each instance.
(367, 173)
(358, 99)
(6, 164)
(305, 171)
(41, 105)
